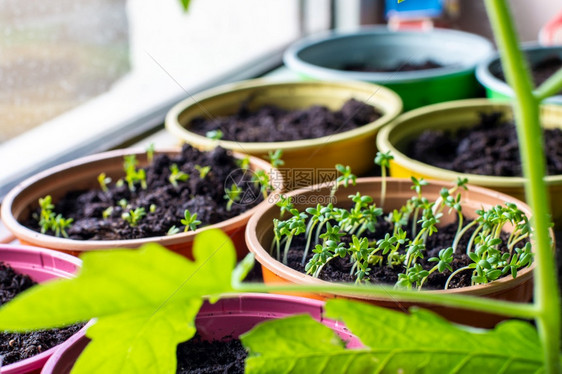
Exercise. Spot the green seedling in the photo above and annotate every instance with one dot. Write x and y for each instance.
(261, 178)
(133, 217)
(233, 194)
(107, 212)
(190, 221)
(345, 179)
(173, 230)
(176, 175)
(214, 134)
(103, 181)
(132, 175)
(49, 220)
(275, 158)
(243, 163)
(150, 152)
(383, 160)
(60, 224)
(203, 171)
(123, 203)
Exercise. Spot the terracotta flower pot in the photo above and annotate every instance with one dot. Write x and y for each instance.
(41, 265)
(308, 155)
(259, 235)
(324, 56)
(452, 116)
(228, 318)
(82, 174)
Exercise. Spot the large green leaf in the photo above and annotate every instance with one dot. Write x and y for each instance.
(300, 344)
(130, 349)
(421, 342)
(145, 301)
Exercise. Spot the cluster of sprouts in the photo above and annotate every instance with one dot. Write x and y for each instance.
(405, 245)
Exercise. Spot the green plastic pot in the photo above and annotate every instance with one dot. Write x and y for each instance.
(309, 158)
(322, 57)
(452, 116)
(497, 88)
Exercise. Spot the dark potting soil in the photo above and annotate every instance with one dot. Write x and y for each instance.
(540, 70)
(15, 347)
(202, 196)
(271, 123)
(402, 66)
(338, 269)
(197, 356)
(490, 148)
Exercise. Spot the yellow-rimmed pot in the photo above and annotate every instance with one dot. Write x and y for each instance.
(313, 158)
(453, 116)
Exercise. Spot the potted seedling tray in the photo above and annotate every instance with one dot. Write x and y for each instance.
(305, 160)
(451, 117)
(423, 67)
(40, 265)
(224, 320)
(543, 61)
(178, 200)
(268, 226)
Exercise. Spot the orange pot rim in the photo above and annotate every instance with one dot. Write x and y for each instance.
(294, 276)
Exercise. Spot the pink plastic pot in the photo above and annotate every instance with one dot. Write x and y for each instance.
(227, 318)
(41, 265)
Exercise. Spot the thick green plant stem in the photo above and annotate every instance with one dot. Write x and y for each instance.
(529, 132)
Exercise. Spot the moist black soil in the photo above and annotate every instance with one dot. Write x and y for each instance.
(541, 70)
(271, 123)
(16, 347)
(490, 148)
(204, 196)
(197, 356)
(402, 66)
(338, 269)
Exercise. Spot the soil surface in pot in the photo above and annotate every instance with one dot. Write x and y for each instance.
(16, 347)
(271, 123)
(164, 204)
(490, 148)
(338, 269)
(540, 70)
(197, 356)
(399, 67)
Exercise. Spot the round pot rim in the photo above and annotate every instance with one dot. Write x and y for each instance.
(488, 80)
(263, 257)
(384, 145)
(240, 308)
(292, 61)
(54, 242)
(172, 124)
(46, 264)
